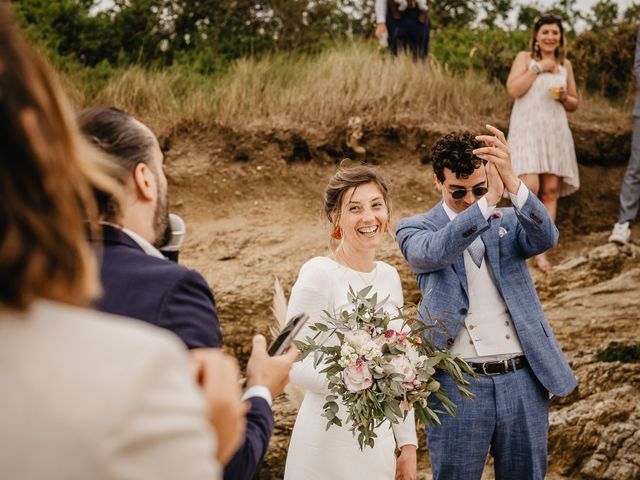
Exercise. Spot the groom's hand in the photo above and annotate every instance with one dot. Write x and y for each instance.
(272, 372)
(496, 187)
(498, 154)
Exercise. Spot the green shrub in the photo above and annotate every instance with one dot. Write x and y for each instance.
(603, 61)
(488, 50)
(617, 352)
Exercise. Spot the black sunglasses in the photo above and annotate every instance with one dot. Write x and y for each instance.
(459, 193)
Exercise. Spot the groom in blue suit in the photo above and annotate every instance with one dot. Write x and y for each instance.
(470, 261)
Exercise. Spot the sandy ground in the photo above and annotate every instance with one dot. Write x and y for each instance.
(257, 216)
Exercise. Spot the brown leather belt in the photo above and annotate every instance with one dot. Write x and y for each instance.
(498, 368)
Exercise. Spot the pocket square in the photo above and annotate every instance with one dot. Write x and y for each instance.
(502, 232)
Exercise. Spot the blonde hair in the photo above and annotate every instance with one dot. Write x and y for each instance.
(47, 176)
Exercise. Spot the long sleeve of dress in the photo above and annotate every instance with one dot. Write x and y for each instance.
(309, 295)
(405, 431)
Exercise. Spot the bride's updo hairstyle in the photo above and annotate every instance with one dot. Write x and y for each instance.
(345, 178)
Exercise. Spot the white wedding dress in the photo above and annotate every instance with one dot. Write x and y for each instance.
(314, 452)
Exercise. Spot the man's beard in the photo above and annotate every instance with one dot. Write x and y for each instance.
(161, 224)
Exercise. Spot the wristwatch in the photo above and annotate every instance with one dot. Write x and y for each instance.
(536, 68)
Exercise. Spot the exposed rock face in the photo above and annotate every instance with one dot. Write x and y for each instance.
(594, 432)
(259, 217)
(596, 437)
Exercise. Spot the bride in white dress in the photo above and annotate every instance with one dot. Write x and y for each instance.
(357, 204)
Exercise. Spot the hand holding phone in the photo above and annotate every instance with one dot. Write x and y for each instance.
(288, 334)
(270, 371)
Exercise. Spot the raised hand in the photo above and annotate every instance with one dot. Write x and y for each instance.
(497, 153)
(496, 187)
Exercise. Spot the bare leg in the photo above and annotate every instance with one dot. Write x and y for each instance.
(549, 194)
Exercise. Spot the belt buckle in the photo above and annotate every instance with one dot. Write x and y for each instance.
(484, 370)
(504, 362)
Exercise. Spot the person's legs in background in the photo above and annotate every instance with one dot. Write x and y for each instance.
(630, 191)
(424, 38)
(416, 33)
(409, 33)
(547, 188)
(548, 194)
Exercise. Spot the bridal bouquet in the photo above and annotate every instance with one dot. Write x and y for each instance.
(380, 367)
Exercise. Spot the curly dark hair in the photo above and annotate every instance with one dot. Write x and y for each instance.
(454, 151)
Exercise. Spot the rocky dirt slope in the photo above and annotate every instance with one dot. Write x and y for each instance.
(253, 200)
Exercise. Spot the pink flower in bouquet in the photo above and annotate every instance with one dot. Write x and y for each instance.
(357, 338)
(403, 366)
(402, 337)
(357, 377)
(390, 334)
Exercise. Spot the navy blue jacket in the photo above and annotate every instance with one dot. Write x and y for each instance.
(157, 291)
(171, 296)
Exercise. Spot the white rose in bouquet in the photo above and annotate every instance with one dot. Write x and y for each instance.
(357, 338)
(403, 366)
(415, 358)
(357, 377)
(348, 355)
(370, 350)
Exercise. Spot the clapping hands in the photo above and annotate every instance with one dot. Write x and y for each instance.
(499, 170)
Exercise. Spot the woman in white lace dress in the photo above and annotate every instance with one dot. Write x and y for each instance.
(543, 85)
(357, 204)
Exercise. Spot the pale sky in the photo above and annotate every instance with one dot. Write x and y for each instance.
(586, 5)
(583, 5)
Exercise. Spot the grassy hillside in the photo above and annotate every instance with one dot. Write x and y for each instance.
(314, 92)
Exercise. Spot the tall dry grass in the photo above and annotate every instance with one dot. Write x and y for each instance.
(317, 92)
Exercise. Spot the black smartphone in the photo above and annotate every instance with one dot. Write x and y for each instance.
(288, 334)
